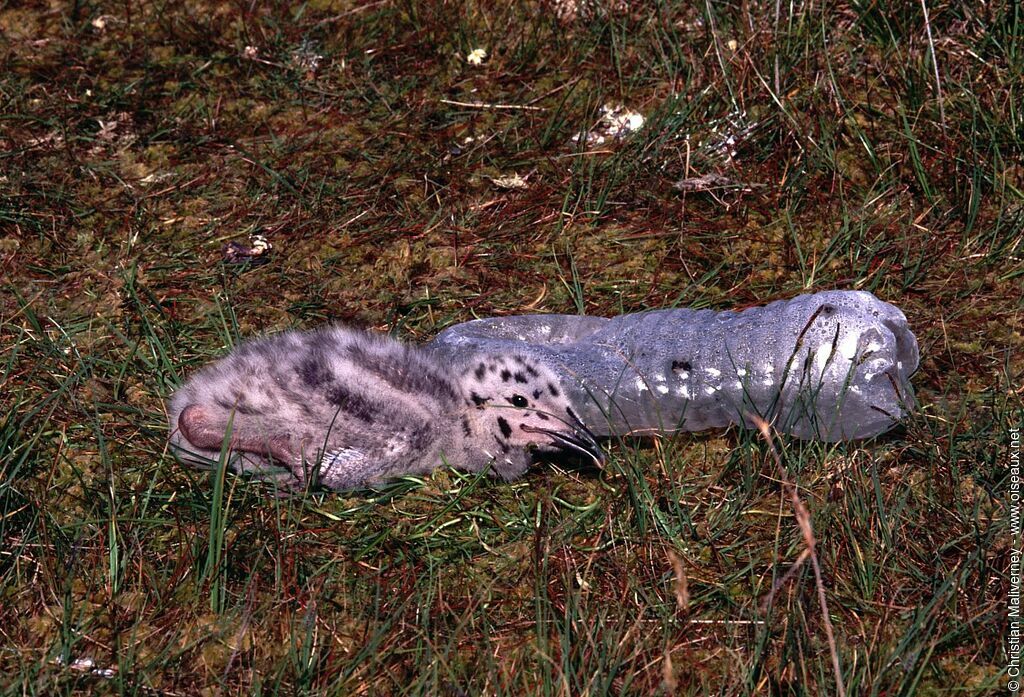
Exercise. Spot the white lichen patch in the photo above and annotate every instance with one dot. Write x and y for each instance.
(155, 178)
(260, 245)
(101, 23)
(823, 356)
(848, 346)
(616, 122)
(306, 57)
(88, 665)
(512, 182)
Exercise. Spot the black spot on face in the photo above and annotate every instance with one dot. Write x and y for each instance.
(506, 430)
(520, 377)
(553, 390)
(480, 371)
(478, 400)
(506, 375)
(465, 427)
(537, 394)
(501, 444)
(681, 365)
(531, 372)
(542, 416)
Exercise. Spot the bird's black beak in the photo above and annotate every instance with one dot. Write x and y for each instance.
(580, 439)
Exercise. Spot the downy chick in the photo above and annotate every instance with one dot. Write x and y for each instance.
(344, 408)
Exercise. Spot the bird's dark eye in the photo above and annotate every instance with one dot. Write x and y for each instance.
(519, 400)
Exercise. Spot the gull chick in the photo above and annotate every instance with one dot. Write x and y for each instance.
(344, 409)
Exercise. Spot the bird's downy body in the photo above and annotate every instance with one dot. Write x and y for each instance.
(346, 408)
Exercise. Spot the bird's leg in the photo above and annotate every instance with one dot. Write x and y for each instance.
(206, 429)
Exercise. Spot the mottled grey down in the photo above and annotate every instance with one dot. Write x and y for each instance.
(346, 408)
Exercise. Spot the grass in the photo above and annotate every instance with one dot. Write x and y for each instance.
(869, 150)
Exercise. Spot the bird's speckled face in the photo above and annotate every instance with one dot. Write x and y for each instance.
(519, 404)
